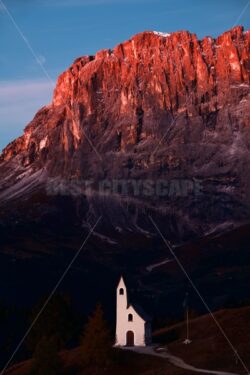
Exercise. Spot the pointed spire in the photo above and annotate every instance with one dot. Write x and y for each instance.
(121, 282)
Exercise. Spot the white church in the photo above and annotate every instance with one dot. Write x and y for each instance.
(133, 326)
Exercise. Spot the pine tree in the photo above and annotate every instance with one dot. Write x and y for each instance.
(45, 359)
(96, 343)
(57, 321)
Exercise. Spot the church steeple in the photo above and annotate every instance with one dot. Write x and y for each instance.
(121, 295)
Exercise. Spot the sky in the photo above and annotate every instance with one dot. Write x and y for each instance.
(39, 39)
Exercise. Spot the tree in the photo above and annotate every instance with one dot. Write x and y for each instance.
(57, 320)
(96, 343)
(45, 359)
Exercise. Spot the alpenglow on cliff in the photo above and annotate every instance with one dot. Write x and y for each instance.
(156, 107)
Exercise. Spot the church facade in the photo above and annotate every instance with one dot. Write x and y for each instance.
(133, 326)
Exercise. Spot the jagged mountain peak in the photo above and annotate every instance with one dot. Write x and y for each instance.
(158, 106)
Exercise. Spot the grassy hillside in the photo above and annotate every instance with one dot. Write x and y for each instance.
(125, 362)
(208, 350)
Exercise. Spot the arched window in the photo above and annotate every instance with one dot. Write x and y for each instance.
(130, 317)
(121, 291)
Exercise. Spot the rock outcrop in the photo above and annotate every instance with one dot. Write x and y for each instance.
(156, 107)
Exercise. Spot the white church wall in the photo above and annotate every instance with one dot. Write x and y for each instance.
(137, 326)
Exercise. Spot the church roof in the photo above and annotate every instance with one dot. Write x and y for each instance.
(121, 279)
(141, 312)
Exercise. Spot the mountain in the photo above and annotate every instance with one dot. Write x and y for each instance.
(158, 127)
(161, 118)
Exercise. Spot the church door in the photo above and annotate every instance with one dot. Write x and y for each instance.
(130, 338)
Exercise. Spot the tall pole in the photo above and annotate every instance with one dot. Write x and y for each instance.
(187, 340)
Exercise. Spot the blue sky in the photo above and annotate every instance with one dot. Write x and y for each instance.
(59, 31)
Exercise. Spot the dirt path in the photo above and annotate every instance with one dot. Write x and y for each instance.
(176, 361)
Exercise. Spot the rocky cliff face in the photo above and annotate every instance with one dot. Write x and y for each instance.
(157, 107)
